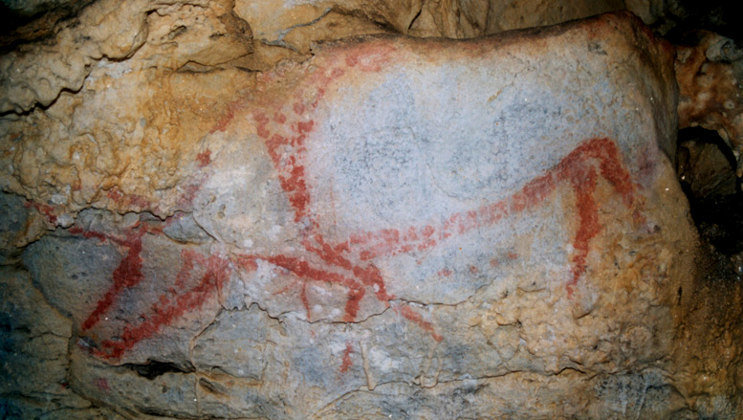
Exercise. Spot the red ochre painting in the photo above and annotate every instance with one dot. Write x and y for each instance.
(284, 128)
(350, 263)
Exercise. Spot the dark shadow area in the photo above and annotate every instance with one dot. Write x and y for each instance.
(153, 368)
(19, 26)
(684, 16)
(10, 19)
(706, 169)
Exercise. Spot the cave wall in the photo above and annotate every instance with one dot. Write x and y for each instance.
(334, 209)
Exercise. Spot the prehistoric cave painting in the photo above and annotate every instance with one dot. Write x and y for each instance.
(346, 358)
(285, 125)
(580, 169)
(49, 212)
(350, 263)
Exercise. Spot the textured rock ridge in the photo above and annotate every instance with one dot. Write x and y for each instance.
(392, 227)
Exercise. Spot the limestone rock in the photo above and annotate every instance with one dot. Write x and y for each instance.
(34, 341)
(516, 14)
(200, 36)
(281, 23)
(249, 220)
(205, 33)
(394, 227)
(113, 29)
(469, 19)
(13, 222)
(705, 170)
(710, 78)
(123, 94)
(84, 161)
(273, 21)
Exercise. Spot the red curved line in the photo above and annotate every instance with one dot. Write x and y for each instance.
(575, 168)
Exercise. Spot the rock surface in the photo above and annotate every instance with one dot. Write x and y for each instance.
(122, 93)
(34, 356)
(391, 228)
(710, 78)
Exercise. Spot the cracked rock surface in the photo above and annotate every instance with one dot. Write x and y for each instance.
(710, 77)
(371, 228)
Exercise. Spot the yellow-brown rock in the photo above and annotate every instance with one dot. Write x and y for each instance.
(220, 209)
(710, 77)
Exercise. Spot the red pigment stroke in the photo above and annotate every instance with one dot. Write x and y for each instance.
(285, 130)
(184, 200)
(166, 310)
(346, 358)
(232, 109)
(583, 181)
(285, 138)
(126, 200)
(102, 384)
(204, 158)
(371, 57)
(129, 271)
(291, 172)
(75, 230)
(444, 272)
(293, 182)
(44, 209)
(418, 320)
(579, 169)
(573, 169)
(127, 274)
(303, 270)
